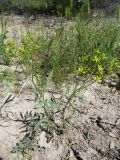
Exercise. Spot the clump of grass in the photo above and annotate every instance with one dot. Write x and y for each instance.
(118, 12)
(2, 37)
(5, 58)
(87, 49)
(84, 48)
(6, 75)
(97, 48)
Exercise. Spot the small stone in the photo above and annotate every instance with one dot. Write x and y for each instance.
(112, 145)
(112, 135)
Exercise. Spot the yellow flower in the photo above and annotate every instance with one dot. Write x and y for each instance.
(97, 78)
(96, 59)
(100, 68)
(85, 58)
(37, 47)
(10, 42)
(103, 56)
(97, 51)
(21, 49)
(82, 70)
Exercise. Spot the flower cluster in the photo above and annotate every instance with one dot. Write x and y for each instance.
(99, 64)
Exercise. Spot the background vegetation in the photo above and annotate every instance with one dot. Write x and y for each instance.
(53, 6)
(59, 6)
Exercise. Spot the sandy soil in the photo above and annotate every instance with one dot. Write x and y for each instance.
(91, 139)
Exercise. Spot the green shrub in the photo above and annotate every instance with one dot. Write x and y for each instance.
(82, 50)
(7, 75)
(97, 47)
